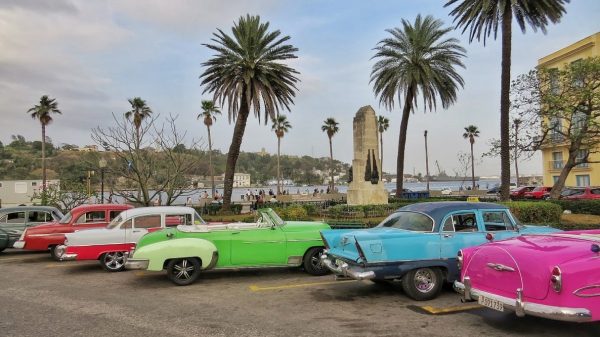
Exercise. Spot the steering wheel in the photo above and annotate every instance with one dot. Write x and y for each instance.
(470, 222)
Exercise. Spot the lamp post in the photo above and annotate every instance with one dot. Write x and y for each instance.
(90, 173)
(102, 165)
(426, 161)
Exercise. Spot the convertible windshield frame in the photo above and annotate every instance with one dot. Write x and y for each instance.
(66, 219)
(402, 220)
(115, 222)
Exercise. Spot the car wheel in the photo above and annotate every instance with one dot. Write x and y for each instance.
(422, 284)
(183, 271)
(312, 262)
(113, 261)
(54, 253)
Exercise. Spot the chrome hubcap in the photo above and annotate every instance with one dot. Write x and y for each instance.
(424, 280)
(315, 260)
(114, 260)
(183, 270)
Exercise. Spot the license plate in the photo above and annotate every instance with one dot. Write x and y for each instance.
(491, 303)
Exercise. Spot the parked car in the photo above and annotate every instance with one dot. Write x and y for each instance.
(540, 192)
(14, 220)
(187, 250)
(580, 193)
(553, 276)
(112, 245)
(417, 244)
(519, 192)
(51, 235)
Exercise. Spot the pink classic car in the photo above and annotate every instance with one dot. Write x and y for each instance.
(554, 276)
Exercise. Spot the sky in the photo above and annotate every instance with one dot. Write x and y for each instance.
(92, 56)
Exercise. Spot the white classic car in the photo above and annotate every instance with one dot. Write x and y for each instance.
(112, 245)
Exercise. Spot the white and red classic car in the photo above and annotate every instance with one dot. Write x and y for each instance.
(112, 245)
(554, 276)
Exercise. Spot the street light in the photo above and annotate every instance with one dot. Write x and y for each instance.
(102, 165)
(90, 173)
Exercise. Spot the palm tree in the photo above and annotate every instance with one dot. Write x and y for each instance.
(483, 18)
(42, 112)
(383, 123)
(248, 72)
(471, 132)
(209, 110)
(330, 126)
(281, 126)
(139, 111)
(517, 122)
(416, 59)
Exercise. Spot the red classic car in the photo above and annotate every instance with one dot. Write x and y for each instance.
(552, 276)
(50, 235)
(540, 192)
(580, 193)
(519, 192)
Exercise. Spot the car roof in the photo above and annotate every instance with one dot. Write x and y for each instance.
(29, 208)
(156, 210)
(99, 207)
(437, 210)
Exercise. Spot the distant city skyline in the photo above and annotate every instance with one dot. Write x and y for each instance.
(93, 56)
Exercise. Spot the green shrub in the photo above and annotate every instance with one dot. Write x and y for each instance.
(535, 212)
(295, 212)
(591, 207)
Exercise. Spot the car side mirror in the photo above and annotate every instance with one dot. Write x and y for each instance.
(170, 235)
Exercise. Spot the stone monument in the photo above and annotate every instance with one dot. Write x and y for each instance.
(366, 186)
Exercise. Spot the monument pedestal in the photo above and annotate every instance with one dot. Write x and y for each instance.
(366, 187)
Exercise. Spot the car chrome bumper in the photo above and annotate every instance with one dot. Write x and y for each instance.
(61, 252)
(523, 308)
(137, 264)
(345, 270)
(19, 244)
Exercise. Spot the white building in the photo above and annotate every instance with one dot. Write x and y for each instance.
(20, 192)
(241, 180)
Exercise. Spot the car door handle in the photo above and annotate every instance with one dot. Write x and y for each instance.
(448, 235)
(235, 232)
(136, 231)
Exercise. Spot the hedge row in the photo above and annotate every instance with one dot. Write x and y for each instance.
(535, 212)
(591, 207)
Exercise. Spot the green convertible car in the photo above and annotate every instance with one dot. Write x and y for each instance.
(269, 242)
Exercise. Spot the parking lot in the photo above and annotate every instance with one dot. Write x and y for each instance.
(41, 297)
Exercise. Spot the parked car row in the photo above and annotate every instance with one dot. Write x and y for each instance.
(543, 192)
(533, 270)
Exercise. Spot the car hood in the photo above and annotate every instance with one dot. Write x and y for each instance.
(503, 267)
(95, 236)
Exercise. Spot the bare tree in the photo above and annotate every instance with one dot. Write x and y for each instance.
(66, 198)
(149, 159)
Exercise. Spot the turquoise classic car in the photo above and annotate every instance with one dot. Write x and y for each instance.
(196, 246)
(418, 243)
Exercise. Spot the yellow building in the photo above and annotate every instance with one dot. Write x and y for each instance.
(555, 154)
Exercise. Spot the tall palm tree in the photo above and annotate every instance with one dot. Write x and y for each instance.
(209, 112)
(482, 18)
(139, 111)
(248, 72)
(383, 123)
(330, 126)
(417, 58)
(517, 122)
(42, 112)
(281, 126)
(471, 132)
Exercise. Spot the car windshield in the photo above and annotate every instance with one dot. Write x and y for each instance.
(539, 189)
(570, 191)
(198, 219)
(115, 222)
(67, 218)
(410, 221)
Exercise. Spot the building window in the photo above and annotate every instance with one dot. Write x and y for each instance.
(33, 183)
(583, 180)
(555, 130)
(554, 88)
(555, 179)
(578, 81)
(557, 160)
(581, 156)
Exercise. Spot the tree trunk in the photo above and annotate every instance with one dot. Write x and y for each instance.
(234, 150)
(43, 164)
(560, 183)
(278, 168)
(212, 170)
(381, 155)
(331, 184)
(402, 140)
(517, 152)
(505, 103)
(472, 166)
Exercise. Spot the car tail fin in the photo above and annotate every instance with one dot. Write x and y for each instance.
(324, 240)
(361, 254)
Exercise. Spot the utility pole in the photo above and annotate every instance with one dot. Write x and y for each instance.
(426, 162)
(517, 122)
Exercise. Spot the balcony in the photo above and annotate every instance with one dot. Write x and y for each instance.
(556, 165)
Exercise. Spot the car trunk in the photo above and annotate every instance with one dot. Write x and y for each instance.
(503, 267)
